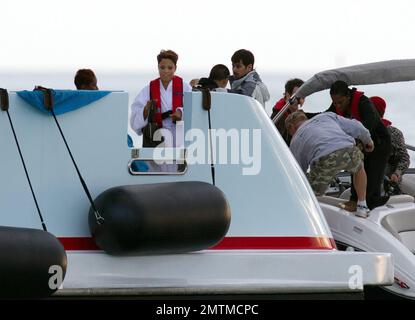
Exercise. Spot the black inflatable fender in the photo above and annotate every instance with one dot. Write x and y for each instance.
(160, 218)
(32, 263)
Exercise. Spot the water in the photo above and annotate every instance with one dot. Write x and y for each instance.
(400, 97)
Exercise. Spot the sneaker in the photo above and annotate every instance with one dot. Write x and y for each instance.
(362, 211)
(349, 205)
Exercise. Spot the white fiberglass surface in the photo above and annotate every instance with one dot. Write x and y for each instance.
(274, 201)
(277, 200)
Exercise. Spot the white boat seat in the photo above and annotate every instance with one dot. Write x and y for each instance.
(400, 198)
(408, 184)
(408, 239)
(402, 227)
(331, 200)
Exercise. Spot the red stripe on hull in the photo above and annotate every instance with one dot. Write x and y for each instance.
(231, 243)
(263, 243)
(78, 243)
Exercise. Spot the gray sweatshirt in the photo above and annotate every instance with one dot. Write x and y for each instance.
(324, 134)
(250, 85)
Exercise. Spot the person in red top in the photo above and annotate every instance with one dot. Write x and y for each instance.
(291, 86)
(353, 104)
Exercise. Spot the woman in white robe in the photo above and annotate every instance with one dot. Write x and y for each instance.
(167, 64)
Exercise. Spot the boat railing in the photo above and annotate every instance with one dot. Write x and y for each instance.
(410, 147)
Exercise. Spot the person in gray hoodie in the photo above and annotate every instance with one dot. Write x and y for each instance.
(326, 143)
(245, 79)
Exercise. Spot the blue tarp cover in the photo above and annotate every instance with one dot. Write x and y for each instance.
(63, 100)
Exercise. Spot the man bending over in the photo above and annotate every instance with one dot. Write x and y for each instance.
(326, 143)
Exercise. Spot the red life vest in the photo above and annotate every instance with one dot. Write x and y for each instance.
(177, 96)
(279, 105)
(354, 106)
(386, 122)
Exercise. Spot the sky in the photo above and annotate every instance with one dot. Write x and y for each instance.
(126, 36)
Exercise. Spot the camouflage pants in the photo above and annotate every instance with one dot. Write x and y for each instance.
(325, 169)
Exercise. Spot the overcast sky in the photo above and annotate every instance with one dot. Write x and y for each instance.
(124, 35)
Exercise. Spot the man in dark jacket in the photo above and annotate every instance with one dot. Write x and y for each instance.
(353, 104)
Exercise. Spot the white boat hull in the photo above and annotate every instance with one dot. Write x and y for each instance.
(225, 272)
(369, 235)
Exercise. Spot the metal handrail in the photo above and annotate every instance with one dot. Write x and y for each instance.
(410, 147)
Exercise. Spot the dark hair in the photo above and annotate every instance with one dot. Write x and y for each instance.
(243, 55)
(291, 84)
(219, 72)
(85, 79)
(168, 54)
(340, 88)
